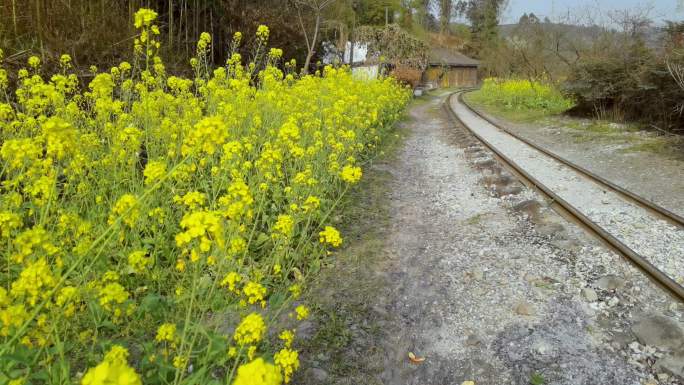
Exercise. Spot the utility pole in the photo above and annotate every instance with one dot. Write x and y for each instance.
(351, 35)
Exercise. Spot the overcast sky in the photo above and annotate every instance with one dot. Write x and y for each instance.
(661, 9)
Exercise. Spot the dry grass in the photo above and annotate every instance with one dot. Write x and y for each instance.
(408, 75)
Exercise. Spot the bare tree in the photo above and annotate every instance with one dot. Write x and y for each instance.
(633, 23)
(677, 72)
(675, 52)
(311, 37)
(445, 8)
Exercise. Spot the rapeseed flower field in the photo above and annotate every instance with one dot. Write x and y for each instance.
(523, 94)
(159, 229)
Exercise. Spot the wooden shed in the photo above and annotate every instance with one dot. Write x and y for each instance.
(450, 68)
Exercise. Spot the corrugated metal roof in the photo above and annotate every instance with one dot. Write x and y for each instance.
(450, 57)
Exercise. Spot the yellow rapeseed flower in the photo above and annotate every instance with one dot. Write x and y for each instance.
(351, 174)
(9, 222)
(139, 261)
(254, 293)
(255, 164)
(34, 282)
(262, 32)
(287, 336)
(166, 333)
(111, 294)
(284, 225)
(288, 362)
(258, 372)
(330, 236)
(250, 330)
(154, 171)
(113, 370)
(127, 209)
(231, 280)
(144, 17)
(302, 312)
(34, 61)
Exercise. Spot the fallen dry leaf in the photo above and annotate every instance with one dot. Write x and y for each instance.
(468, 383)
(414, 359)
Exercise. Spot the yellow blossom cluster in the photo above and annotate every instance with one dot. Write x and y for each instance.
(113, 370)
(330, 236)
(173, 218)
(523, 94)
(258, 372)
(251, 330)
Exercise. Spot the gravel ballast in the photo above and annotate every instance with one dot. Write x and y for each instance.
(655, 173)
(658, 241)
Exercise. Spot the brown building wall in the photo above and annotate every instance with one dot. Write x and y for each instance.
(451, 76)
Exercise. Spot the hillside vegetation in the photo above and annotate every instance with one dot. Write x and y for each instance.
(626, 70)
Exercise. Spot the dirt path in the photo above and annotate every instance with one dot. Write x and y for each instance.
(450, 258)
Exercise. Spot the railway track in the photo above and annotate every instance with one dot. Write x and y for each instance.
(646, 234)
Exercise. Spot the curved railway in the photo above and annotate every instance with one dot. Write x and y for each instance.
(636, 228)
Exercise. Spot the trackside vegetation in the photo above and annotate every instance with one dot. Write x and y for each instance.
(158, 229)
(522, 95)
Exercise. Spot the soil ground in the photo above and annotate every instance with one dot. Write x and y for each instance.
(447, 256)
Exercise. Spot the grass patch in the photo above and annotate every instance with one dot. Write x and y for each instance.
(669, 147)
(584, 130)
(475, 219)
(630, 135)
(537, 379)
(476, 100)
(601, 126)
(592, 130)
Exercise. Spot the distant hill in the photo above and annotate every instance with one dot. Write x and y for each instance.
(579, 32)
(507, 30)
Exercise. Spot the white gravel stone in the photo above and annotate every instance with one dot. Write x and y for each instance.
(589, 294)
(658, 241)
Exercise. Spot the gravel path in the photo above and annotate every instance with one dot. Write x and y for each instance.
(478, 276)
(657, 241)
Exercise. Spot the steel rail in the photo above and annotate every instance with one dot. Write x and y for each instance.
(592, 227)
(641, 201)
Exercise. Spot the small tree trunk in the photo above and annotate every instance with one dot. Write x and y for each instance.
(311, 47)
(170, 24)
(14, 17)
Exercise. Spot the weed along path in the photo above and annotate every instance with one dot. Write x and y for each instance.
(448, 257)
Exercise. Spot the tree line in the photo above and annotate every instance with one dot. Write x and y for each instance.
(619, 66)
(101, 32)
